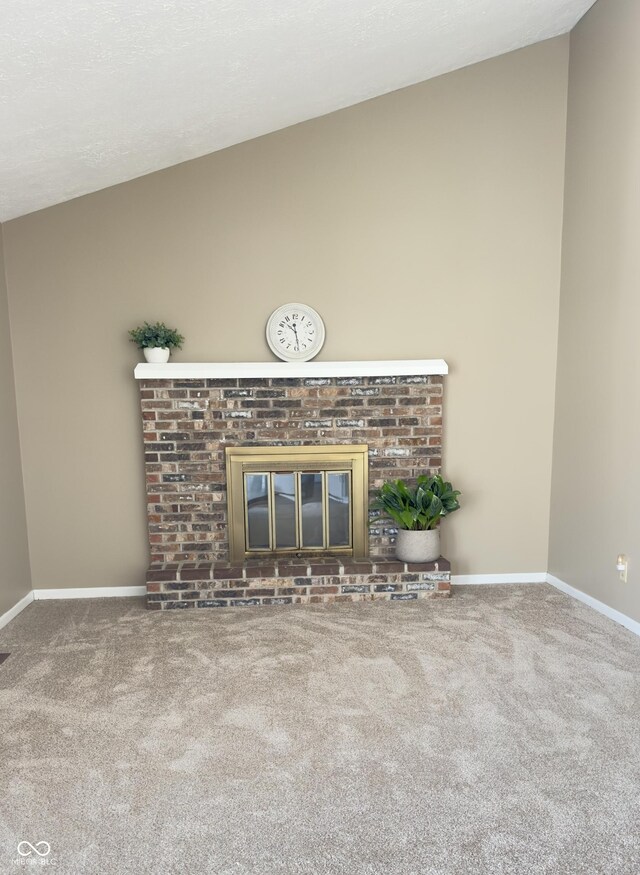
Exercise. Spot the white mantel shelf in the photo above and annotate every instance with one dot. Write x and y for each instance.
(264, 370)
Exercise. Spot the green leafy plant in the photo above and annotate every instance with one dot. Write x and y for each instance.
(416, 507)
(147, 336)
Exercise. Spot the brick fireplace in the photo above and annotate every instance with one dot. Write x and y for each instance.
(192, 412)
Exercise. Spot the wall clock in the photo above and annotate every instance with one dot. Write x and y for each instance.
(295, 332)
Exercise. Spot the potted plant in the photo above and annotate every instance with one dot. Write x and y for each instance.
(417, 511)
(156, 341)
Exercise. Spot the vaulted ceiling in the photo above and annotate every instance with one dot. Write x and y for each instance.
(96, 92)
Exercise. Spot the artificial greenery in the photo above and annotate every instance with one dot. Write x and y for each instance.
(418, 507)
(156, 335)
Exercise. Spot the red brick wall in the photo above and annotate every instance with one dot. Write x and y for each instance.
(188, 423)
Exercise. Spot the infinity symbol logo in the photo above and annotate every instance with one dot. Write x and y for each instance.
(40, 848)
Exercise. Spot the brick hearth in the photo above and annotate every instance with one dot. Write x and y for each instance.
(282, 582)
(188, 422)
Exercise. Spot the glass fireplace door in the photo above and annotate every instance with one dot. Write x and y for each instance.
(298, 510)
(297, 499)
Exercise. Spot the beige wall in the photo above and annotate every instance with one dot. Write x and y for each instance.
(15, 578)
(426, 223)
(596, 475)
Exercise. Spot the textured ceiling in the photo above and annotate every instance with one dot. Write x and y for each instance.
(96, 92)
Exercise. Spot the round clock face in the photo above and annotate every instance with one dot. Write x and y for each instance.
(295, 332)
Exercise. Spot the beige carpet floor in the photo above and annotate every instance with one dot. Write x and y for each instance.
(497, 732)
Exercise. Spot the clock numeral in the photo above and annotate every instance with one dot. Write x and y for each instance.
(282, 340)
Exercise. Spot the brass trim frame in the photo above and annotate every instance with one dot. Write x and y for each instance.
(325, 512)
(325, 458)
(297, 478)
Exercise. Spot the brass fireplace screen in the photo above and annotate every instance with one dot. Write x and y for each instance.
(290, 500)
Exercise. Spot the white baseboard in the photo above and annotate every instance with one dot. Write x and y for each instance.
(89, 592)
(543, 577)
(86, 592)
(611, 613)
(518, 577)
(15, 610)
(473, 579)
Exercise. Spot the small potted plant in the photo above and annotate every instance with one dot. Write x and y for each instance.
(156, 341)
(417, 511)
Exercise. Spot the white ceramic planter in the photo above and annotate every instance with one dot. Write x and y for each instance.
(156, 355)
(418, 546)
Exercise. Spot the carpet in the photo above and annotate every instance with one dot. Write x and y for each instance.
(496, 732)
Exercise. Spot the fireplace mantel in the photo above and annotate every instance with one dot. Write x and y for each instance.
(270, 370)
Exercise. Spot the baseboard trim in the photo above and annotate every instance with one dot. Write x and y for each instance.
(15, 610)
(461, 579)
(600, 607)
(517, 577)
(90, 592)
